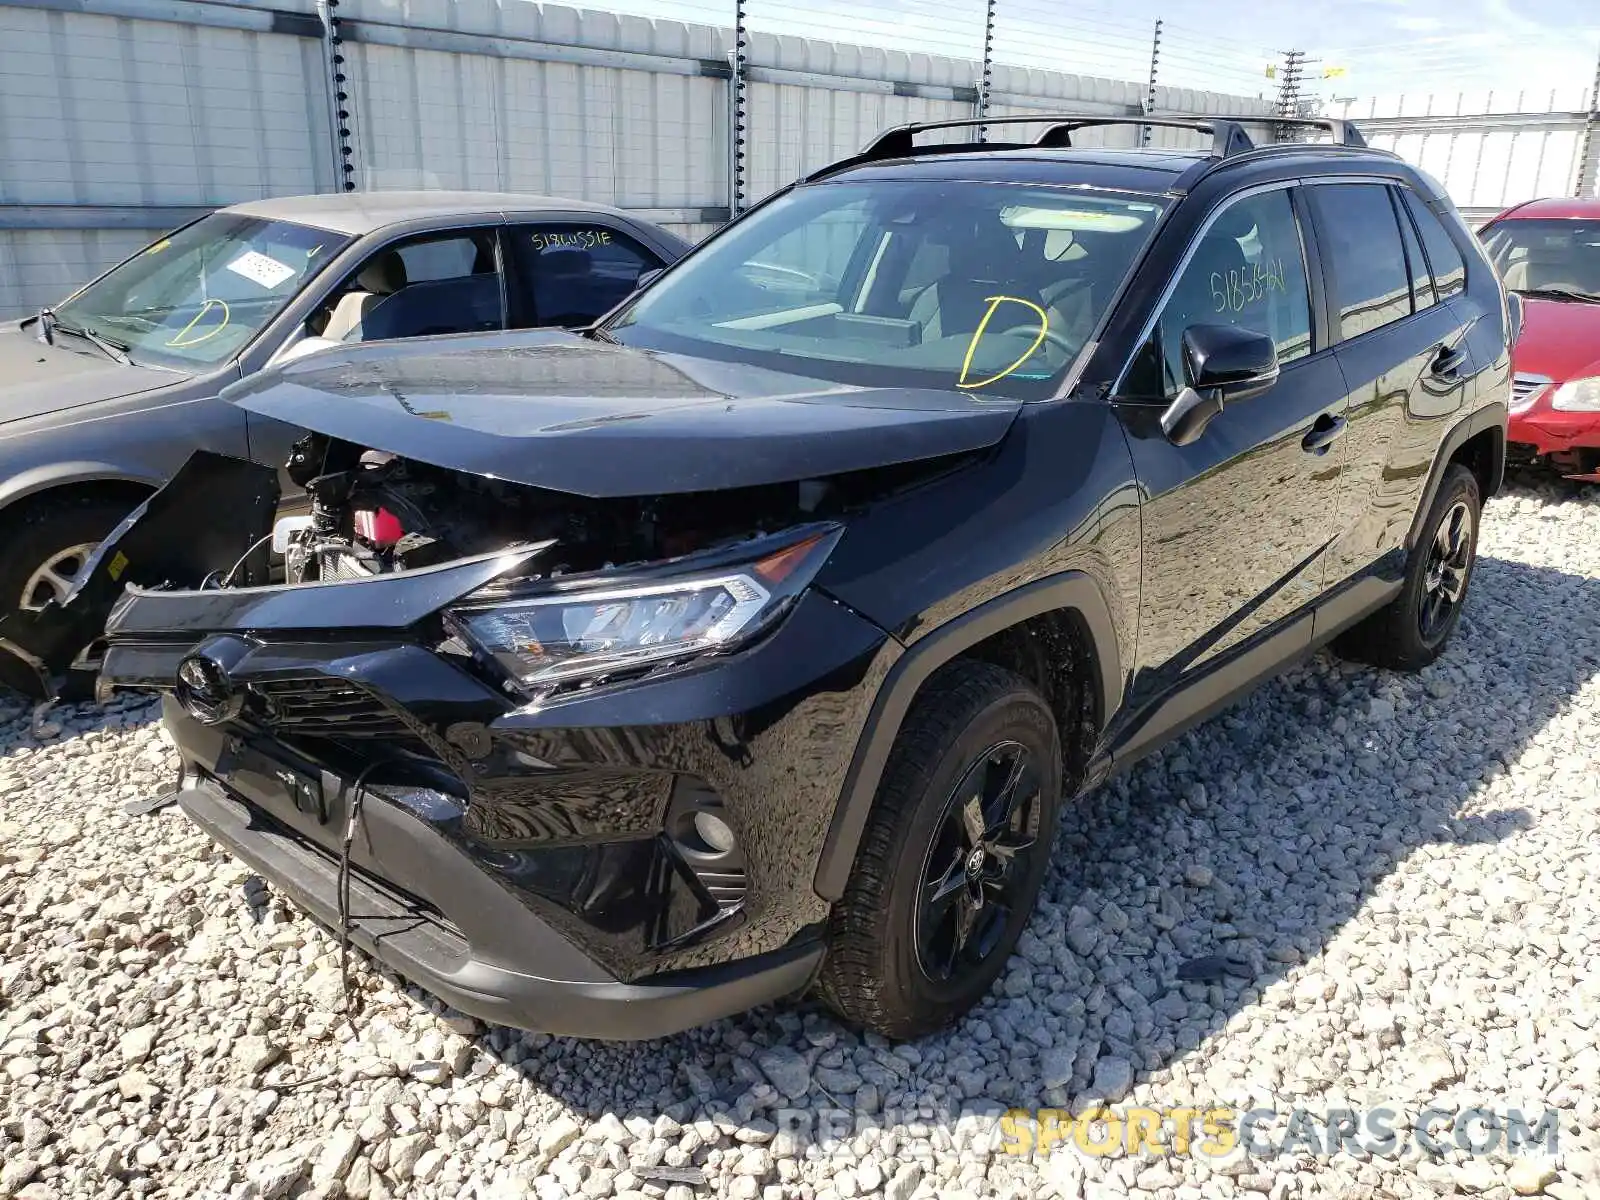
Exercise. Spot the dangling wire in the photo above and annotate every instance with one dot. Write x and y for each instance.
(352, 821)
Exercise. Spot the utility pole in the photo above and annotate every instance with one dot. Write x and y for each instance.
(1150, 95)
(1589, 155)
(1294, 62)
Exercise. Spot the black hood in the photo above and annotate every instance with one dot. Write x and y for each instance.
(36, 378)
(559, 411)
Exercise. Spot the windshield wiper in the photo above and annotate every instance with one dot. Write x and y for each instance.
(595, 333)
(118, 351)
(47, 325)
(1560, 293)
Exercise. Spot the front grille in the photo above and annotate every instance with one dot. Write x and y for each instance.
(325, 708)
(1524, 388)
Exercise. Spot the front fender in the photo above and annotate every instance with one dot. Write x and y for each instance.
(47, 476)
(1072, 591)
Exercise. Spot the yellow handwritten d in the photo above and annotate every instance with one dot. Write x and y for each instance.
(977, 336)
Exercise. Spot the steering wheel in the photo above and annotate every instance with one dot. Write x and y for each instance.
(1050, 335)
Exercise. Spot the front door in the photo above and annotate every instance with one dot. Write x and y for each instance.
(1236, 525)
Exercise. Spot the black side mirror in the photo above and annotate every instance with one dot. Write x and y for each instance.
(1225, 364)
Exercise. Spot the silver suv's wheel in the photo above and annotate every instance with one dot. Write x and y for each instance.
(55, 576)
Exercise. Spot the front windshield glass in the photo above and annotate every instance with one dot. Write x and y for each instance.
(987, 288)
(193, 299)
(1558, 257)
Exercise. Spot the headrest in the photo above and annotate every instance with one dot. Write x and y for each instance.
(384, 275)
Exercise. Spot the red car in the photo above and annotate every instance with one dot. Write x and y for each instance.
(1548, 252)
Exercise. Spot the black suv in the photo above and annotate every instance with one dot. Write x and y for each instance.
(753, 639)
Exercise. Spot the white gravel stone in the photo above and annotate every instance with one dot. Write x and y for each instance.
(1400, 871)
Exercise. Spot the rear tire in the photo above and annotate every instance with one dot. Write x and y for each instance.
(941, 890)
(48, 540)
(1413, 629)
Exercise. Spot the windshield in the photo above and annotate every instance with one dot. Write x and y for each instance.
(193, 299)
(989, 288)
(1560, 257)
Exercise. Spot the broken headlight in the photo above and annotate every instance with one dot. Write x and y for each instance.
(595, 627)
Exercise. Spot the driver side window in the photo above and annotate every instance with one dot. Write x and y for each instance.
(1248, 271)
(442, 283)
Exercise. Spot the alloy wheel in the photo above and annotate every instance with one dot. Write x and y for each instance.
(1449, 559)
(974, 874)
(55, 577)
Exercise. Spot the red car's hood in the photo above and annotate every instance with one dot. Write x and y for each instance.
(1560, 339)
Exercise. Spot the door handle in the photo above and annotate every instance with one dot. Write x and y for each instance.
(1447, 363)
(1324, 434)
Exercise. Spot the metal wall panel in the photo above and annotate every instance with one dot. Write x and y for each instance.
(136, 112)
(103, 110)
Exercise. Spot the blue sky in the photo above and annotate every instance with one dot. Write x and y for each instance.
(1386, 47)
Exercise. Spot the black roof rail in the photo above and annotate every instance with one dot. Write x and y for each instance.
(1344, 133)
(1228, 135)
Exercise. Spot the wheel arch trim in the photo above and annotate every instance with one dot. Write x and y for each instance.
(1490, 417)
(1070, 591)
(36, 480)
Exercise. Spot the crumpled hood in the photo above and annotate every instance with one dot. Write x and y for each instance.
(1560, 339)
(559, 411)
(36, 379)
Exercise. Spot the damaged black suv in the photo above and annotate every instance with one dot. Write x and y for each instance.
(752, 640)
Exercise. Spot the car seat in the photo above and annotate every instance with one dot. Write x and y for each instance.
(376, 282)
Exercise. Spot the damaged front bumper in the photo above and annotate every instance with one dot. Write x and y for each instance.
(621, 861)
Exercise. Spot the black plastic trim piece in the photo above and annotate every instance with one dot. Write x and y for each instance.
(1491, 416)
(1073, 591)
(433, 955)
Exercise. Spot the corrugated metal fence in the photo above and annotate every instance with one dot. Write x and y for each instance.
(122, 117)
(1491, 150)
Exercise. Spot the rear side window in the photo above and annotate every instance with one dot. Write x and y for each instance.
(1362, 250)
(1421, 281)
(1444, 257)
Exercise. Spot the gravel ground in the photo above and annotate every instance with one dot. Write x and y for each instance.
(1401, 872)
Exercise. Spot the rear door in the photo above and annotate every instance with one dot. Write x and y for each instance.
(1235, 524)
(1401, 348)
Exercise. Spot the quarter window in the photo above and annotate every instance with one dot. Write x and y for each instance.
(1444, 256)
(1421, 281)
(1361, 245)
(1248, 270)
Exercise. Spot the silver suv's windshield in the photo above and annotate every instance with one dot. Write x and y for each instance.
(193, 299)
(988, 288)
(1555, 258)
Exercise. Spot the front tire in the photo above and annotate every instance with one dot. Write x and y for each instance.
(953, 855)
(50, 541)
(1413, 629)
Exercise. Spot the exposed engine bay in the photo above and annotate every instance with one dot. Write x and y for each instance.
(376, 513)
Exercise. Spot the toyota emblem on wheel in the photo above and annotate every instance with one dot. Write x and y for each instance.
(205, 691)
